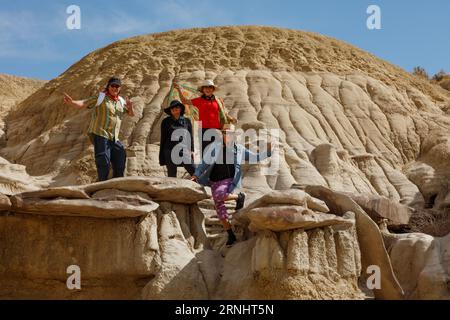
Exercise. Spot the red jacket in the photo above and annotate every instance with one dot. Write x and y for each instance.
(208, 110)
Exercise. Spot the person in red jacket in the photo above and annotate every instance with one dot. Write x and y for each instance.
(211, 110)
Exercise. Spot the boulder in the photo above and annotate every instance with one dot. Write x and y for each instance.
(159, 189)
(379, 208)
(80, 208)
(288, 197)
(15, 179)
(133, 198)
(431, 170)
(373, 251)
(69, 192)
(421, 263)
(283, 218)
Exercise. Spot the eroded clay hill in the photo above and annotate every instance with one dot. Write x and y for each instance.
(349, 121)
(13, 90)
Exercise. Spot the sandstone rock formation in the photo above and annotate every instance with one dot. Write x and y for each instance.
(148, 244)
(284, 211)
(118, 238)
(15, 179)
(373, 251)
(421, 263)
(348, 120)
(382, 208)
(366, 140)
(295, 254)
(14, 90)
(133, 239)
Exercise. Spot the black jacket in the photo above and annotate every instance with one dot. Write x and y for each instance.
(168, 126)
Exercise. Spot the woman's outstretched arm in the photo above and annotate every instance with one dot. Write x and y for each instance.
(79, 104)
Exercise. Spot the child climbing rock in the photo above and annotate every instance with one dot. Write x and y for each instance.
(221, 169)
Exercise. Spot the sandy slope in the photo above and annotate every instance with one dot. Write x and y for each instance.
(14, 90)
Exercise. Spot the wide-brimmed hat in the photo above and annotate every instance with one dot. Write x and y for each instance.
(230, 128)
(207, 83)
(174, 104)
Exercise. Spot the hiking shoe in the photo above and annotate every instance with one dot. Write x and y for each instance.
(240, 201)
(231, 238)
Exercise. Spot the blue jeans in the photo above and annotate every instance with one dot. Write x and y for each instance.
(109, 153)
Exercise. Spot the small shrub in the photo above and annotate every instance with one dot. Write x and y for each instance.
(420, 72)
(439, 76)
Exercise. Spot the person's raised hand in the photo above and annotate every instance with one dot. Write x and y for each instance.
(67, 99)
(231, 119)
(272, 144)
(128, 103)
(129, 107)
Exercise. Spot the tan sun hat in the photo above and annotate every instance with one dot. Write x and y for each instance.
(230, 128)
(207, 83)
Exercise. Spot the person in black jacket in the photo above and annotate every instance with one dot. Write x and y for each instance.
(178, 153)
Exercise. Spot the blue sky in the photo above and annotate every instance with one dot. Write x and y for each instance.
(35, 42)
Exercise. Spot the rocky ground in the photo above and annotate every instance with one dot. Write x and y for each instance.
(137, 238)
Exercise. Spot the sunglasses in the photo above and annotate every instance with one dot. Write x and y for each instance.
(115, 86)
(209, 87)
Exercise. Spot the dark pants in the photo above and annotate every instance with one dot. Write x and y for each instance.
(109, 153)
(172, 168)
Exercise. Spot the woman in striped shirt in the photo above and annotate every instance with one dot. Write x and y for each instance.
(108, 109)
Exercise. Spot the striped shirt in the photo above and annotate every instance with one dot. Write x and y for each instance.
(105, 118)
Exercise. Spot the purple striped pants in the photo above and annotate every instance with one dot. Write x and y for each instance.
(220, 192)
